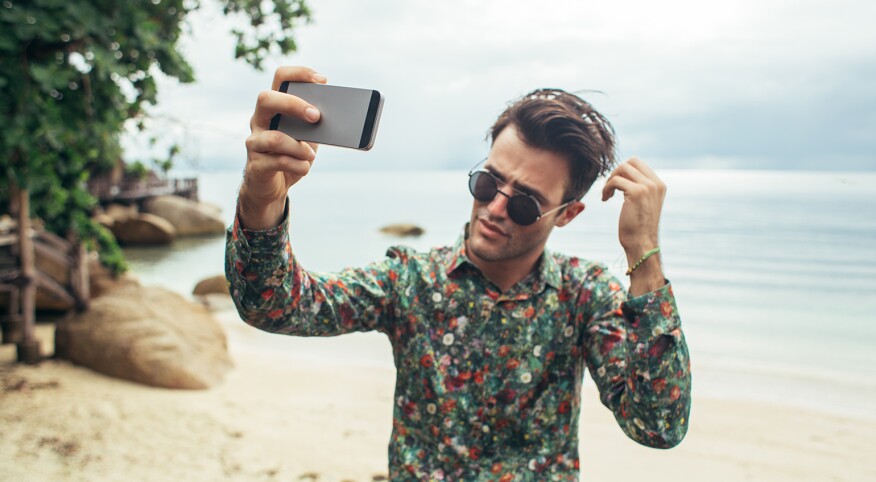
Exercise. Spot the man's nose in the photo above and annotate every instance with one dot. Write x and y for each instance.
(498, 207)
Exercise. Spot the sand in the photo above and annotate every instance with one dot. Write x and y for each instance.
(290, 417)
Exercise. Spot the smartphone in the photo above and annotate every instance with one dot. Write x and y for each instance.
(349, 116)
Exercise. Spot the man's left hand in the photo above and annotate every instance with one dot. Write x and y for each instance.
(639, 220)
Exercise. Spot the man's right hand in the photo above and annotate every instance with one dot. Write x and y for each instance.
(275, 161)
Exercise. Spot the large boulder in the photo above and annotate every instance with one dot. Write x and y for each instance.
(102, 280)
(190, 218)
(144, 229)
(118, 212)
(214, 284)
(147, 335)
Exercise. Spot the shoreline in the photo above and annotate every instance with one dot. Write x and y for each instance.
(826, 392)
(297, 417)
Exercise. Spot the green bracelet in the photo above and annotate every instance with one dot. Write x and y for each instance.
(642, 260)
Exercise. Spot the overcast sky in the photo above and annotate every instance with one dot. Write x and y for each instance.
(686, 83)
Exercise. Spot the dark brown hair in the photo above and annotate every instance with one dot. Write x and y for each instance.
(563, 123)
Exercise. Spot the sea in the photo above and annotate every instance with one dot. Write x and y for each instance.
(774, 271)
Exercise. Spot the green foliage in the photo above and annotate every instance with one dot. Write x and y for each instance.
(136, 169)
(73, 72)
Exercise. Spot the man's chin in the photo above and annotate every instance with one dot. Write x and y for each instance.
(483, 249)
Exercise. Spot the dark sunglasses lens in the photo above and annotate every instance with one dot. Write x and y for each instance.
(482, 186)
(522, 210)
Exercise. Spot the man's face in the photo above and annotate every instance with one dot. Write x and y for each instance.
(492, 236)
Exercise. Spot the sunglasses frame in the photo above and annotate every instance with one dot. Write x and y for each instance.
(518, 193)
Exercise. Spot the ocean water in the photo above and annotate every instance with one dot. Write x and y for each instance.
(774, 272)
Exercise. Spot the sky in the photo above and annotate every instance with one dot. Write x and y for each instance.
(753, 84)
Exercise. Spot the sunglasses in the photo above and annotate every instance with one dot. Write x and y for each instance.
(523, 209)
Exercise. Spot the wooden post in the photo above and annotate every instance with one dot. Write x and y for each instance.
(29, 346)
(11, 327)
(79, 276)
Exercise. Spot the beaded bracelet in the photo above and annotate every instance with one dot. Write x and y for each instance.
(642, 260)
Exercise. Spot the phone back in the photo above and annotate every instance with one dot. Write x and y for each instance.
(349, 116)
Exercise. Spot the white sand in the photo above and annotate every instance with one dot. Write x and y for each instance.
(291, 418)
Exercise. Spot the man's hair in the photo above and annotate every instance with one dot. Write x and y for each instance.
(565, 124)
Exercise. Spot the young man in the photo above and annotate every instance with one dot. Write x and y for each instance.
(490, 336)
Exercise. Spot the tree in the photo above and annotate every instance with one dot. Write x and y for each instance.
(74, 72)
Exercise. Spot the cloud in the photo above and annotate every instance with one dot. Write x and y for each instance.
(786, 83)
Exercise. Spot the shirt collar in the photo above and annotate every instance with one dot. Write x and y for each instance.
(547, 270)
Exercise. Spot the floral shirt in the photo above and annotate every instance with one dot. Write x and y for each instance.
(488, 383)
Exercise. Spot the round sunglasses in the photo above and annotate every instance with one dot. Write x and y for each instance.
(523, 209)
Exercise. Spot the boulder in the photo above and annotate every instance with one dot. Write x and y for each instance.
(216, 302)
(211, 208)
(147, 335)
(120, 212)
(102, 280)
(213, 284)
(402, 230)
(144, 229)
(190, 218)
(104, 220)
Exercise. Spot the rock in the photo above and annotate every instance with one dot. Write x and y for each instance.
(144, 229)
(120, 212)
(216, 302)
(147, 335)
(6, 223)
(212, 208)
(104, 219)
(403, 230)
(102, 280)
(213, 284)
(190, 218)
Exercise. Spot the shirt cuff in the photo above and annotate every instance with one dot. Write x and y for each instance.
(261, 242)
(654, 313)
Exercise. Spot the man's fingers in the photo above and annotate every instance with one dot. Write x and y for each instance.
(643, 167)
(276, 142)
(273, 163)
(648, 173)
(631, 172)
(271, 103)
(639, 175)
(296, 74)
(617, 183)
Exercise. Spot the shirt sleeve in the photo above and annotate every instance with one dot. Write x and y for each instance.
(272, 292)
(637, 355)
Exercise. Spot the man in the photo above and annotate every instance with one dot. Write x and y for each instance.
(491, 336)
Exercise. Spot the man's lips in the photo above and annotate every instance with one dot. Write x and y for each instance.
(490, 229)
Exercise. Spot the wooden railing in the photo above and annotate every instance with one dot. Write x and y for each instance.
(131, 190)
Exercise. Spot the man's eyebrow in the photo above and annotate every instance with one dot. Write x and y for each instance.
(522, 187)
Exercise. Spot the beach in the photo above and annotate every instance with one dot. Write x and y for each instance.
(292, 417)
(773, 271)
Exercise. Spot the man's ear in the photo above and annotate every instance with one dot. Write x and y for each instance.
(569, 213)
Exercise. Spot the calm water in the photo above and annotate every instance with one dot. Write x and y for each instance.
(775, 272)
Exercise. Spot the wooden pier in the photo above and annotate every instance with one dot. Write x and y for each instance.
(135, 190)
(20, 276)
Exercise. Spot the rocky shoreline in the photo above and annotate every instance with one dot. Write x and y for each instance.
(160, 220)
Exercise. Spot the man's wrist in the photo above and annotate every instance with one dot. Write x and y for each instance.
(256, 217)
(646, 271)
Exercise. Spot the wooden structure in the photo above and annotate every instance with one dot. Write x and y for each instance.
(20, 243)
(135, 190)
